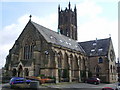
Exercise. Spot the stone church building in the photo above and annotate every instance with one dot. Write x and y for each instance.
(101, 59)
(41, 51)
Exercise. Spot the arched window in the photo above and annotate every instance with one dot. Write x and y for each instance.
(59, 60)
(26, 72)
(97, 69)
(20, 69)
(28, 44)
(100, 60)
(111, 68)
(28, 49)
(66, 19)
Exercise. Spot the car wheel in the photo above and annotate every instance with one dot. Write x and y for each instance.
(28, 82)
(12, 87)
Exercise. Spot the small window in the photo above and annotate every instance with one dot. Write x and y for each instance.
(100, 60)
(66, 42)
(61, 41)
(69, 44)
(92, 50)
(76, 46)
(90, 54)
(100, 49)
(67, 34)
(94, 44)
(51, 36)
(69, 39)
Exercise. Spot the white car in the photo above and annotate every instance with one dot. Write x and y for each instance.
(118, 87)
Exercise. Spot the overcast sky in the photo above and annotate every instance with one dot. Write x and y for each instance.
(95, 18)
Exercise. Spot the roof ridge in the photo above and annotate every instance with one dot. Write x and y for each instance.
(94, 40)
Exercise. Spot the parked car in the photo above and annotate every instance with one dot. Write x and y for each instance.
(93, 80)
(118, 79)
(18, 80)
(118, 87)
(107, 88)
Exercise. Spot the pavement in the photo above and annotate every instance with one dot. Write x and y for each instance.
(80, 85)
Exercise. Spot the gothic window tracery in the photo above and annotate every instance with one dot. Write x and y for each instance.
(112, 56)
(28, 48)
(97, 69)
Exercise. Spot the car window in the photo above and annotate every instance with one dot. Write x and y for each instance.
(12, 80)
(91, 78)
(118, 84)
(19, 80)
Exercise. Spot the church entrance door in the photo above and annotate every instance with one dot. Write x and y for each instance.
(20, 71)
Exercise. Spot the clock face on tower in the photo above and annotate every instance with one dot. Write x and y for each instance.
(112, 55)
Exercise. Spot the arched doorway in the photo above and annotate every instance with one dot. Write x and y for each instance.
(97, 70)
(20, 71)
(14, 72)
(26, 71)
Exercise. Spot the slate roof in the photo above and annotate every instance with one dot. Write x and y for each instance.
(58, 39)
(96, 47)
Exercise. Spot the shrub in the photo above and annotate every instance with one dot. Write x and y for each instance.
(41, 75)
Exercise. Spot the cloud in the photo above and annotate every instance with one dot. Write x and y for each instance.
(88, 8)
(49, 21)
(7, 38)
(91, 25)
(11, 32)
(99, 28)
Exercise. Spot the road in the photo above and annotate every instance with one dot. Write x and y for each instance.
(63, 86)
(83, 86)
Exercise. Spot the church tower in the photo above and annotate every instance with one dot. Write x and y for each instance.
(67, 22)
